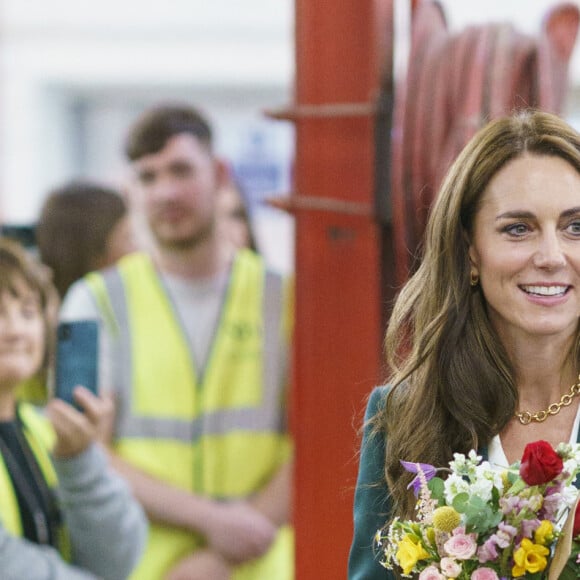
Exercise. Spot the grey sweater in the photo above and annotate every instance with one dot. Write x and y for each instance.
(107, 527)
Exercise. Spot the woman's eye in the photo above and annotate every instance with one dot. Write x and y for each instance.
(518, 229)
(574, 227)
(30, 309)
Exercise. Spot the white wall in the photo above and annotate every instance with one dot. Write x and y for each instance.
(75, 73)
(53, 51)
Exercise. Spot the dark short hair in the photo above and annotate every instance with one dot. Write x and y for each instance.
(73, 228)
(150, 133)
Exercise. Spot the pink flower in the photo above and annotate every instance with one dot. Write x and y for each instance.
(431, 573)
(460, 545)
(484, 574)
(450, 567)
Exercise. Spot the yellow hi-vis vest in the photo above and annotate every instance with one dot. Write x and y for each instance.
(221, 435)
(40, 437)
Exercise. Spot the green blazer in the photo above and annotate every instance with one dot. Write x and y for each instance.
(371, 499)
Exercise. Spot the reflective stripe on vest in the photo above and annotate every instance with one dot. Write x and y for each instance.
(220, 435)
(40, 437)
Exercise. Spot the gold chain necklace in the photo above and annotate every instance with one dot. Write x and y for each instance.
(526, 417)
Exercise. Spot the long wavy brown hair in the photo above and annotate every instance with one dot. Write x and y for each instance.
(453, 383)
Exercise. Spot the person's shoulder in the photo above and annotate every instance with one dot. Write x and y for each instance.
(78, 302)
(138, 259)
(377, 400)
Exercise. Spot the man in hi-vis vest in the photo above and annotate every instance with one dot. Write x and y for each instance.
(195, 346)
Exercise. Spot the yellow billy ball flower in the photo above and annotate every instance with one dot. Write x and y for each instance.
(545, 533)
(529, 557)
(446, 519)
(409, 553)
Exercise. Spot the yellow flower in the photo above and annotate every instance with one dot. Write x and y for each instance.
(446, 519)
(505, 479)
(545, 533)
(431, 535)
(529, 557)
(409, 553)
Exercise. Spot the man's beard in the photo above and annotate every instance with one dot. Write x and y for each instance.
(196, 239)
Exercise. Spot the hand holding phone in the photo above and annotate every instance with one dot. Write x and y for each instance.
(77, 354)
(76, 431)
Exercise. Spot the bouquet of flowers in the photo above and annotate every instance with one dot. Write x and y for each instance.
(486, 523)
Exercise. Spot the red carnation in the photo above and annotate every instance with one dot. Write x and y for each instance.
(576, 529)
(540, 463)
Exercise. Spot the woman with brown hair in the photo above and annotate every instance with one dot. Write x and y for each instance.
(82, 227)
(63, 513)
(483, 340)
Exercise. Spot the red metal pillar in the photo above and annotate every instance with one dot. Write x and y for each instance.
(339, 328)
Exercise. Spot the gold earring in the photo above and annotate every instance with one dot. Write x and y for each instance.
(473, 278)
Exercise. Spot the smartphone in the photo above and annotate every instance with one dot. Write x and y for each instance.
(24, 234)
(77, 358)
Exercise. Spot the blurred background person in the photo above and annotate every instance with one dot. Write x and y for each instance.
(63, 513)
(233, 219)
(196, 348)
(83, 226)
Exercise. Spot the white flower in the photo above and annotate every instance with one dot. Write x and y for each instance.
(569, 495)
(488, 472)
(458, 465)
(481, 487)
(454, 485)
(474, 458)
(569, 453)
(571, 465)
(450, 567)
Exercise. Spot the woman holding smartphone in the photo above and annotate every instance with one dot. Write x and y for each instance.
(63, 513)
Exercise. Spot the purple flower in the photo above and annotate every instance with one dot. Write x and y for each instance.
(427, 470)
(552, 502)
(505, 535)
(488, 551)
(528, 527)
(501, 539)
(510, 505)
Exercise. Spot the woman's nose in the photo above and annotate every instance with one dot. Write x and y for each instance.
(549, 254)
